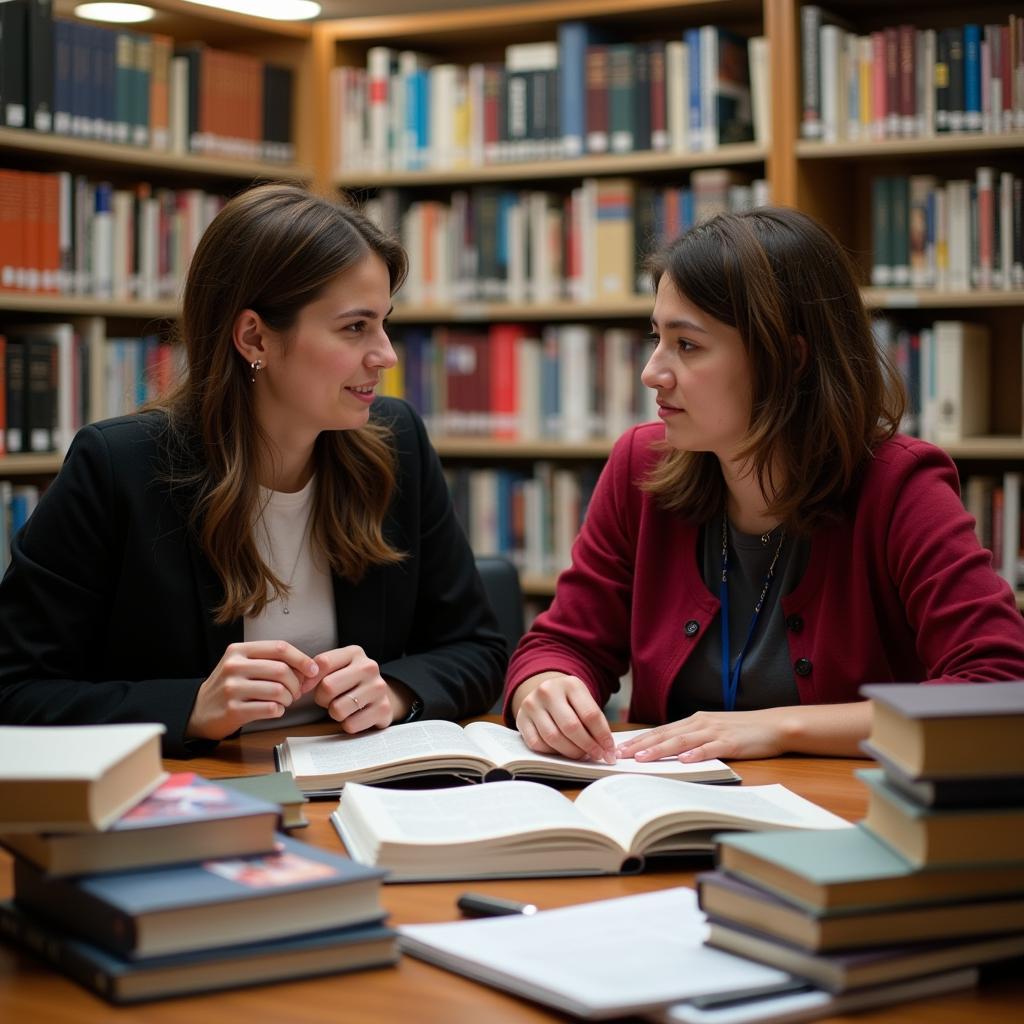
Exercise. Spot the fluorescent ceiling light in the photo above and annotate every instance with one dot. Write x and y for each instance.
(278, 10)
(123, 14)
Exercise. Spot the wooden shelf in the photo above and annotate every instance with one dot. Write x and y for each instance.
(106, 154)
(585, 167)
(936, 145)
(533, 585)
(909, 298)
(987, 448)
(187, 19)
(478, 22)
(85, 305)
(495, 448)
(43, 464)
(485, 312)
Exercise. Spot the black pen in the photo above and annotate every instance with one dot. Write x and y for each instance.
(475, 904)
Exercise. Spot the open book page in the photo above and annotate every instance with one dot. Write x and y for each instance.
(642, 813)
(339, 755)
(505, 747)
(615, 956)
(466, 814)
(499, 830)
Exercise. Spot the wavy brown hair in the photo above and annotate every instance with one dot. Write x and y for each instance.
(272, 249)
(823, 395)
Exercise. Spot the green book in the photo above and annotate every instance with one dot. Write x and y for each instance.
(276, 788)
(837, 870)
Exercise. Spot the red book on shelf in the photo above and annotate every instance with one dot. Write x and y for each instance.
(504, 397)
(892, 81)
(10, 228)
(493, 75)
(32, 230)
(49, 232)
(659, 115)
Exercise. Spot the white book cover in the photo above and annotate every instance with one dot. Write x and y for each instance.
(380, 63)
(1011, 528)
(575, 355)
(597, 960)
(814, 1004)
(758, 56)
(677, 109)
(961, 380)
(831, 69)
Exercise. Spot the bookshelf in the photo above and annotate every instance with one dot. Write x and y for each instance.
(831, 180)
(481, 35)
(97, 158)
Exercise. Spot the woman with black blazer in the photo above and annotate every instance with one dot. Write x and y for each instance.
(270, 544)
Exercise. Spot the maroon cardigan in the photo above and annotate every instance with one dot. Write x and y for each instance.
(899, 590)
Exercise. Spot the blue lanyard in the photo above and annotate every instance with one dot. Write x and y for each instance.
(731, 677)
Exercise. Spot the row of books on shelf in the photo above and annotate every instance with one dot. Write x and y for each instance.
(521, 246)
(931, 879)
(948, 235)
(588, 92)
(141, 885)
(62, 233)
(138, 89)
(47, 374)
(995, 503)
(947, 370)
(905, 82)
(566, 382)
(531, 518)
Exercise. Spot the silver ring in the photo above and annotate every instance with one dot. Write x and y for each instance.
(354, 699)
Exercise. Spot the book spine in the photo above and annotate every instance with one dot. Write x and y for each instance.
(13, 47)
(810, 25)
(597, 68)
(39, 56)
(973, 116)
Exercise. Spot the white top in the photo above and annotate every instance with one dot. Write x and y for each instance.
(282, 536)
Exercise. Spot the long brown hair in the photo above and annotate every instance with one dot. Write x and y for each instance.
(823, 395)
(272, 249)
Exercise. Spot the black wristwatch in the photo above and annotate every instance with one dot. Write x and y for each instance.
(415, 710)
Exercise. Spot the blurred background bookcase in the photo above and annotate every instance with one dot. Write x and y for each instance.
(833, 180)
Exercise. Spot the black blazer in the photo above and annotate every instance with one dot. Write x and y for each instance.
(106, 608)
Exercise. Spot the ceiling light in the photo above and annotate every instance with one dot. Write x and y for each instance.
(123, 14)
(278, 10)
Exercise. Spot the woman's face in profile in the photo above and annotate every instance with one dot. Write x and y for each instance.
(701, 373)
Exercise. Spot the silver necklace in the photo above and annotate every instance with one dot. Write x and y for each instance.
(285, 610)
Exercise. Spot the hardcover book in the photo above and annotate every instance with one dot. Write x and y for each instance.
(161, 912)
(186, 818)
(734, 902)
(522, 828)
(928, 837)
(75, 777)
(854, 969)
(851, 869)
(480, 752)
(951, 731)
(131, 981)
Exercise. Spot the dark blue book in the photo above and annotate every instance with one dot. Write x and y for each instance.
(166, 911)
(131, 981)
(186, 818)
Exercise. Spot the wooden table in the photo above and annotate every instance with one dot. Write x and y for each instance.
(414, 992)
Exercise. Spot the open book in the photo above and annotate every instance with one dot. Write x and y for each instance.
(481, 751)
(521, 828)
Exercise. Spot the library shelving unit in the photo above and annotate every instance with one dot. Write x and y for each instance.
(125, 165)
(481, 34)
(833, 181)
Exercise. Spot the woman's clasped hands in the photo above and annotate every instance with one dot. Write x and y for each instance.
(260, 679)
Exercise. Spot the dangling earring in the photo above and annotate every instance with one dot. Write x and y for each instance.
(255, 366)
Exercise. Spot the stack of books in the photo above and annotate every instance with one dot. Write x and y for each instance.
(142, 885)
(931, 880)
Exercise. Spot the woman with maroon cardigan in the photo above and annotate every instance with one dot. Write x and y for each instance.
(776, 499)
